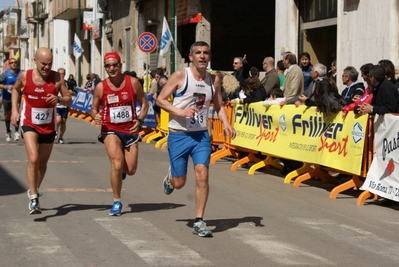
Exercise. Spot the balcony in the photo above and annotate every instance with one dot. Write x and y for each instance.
(67, 9)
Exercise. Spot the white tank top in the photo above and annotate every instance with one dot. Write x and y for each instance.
(193, 93)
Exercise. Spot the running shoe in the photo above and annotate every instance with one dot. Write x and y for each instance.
(201, 230)
(8, 137)
(17, 136)
(116, 209)
(167, 185)
(34, 206)
(123, 175)
(61, 140)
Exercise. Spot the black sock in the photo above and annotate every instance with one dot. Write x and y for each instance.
(8, 126)
(198, 219)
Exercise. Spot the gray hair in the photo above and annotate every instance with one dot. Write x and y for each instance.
(320, 69)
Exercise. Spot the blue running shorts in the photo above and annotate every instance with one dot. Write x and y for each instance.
(181, 145)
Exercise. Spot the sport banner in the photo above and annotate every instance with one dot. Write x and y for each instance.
(82, 100)
(383, 178)
(301, 133)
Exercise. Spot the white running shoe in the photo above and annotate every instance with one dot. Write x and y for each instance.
(8, 137)
(17, 136)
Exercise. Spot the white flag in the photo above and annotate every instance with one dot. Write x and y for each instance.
(166, 38)
(77, 47)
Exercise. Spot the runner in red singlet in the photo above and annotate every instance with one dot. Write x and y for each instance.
(117, 96)
(38, 123)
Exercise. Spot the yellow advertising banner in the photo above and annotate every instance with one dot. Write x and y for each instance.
(301, 133)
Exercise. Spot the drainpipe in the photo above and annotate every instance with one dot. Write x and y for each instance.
(172, 31)
(79, 35)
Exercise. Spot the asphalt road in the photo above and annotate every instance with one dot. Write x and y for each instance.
(257, 220)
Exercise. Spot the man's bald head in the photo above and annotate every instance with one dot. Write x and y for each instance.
(44, 61)
(43, 52)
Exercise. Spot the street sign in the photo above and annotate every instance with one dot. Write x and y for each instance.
(147, 42)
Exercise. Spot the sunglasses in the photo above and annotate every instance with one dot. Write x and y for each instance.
(114, 65)
(235, 63)
(13, 62)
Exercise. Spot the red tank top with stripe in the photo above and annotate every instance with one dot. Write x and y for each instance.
(36, 112)
(118, 107)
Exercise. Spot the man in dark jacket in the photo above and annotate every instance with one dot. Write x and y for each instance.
(354, 89)
(386, 95)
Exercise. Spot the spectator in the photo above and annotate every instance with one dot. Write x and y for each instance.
(293, 84)
(276, 98)
(254, 71)
(254, 91)
(271, 80)
(241, 70)
(89, 84)
(385, 94)
(318, 71)
(146, 77)
(327, 98)
(306, 68)
(353, 89)
(389, 69)
(332, 73)
(230, 85)
(71, 83)
(280, 71)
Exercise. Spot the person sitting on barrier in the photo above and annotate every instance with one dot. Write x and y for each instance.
(254, 91)
(88, 85)
(307, 98)
(230, 86)
(366, 97)
(276, 97)
(385, 94)
(327, 98)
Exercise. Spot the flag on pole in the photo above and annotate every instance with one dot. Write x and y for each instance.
(77, 47)
(17, 55)
(166, 38)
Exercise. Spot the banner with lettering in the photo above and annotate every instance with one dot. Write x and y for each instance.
(82, 100)
(150, 119)
(301, 133)
(383, 176)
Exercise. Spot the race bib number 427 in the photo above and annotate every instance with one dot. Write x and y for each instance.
(42, 115)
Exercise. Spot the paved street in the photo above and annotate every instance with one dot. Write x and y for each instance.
(257, 220)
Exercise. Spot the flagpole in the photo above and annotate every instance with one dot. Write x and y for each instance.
(79, 35)
(172, 30)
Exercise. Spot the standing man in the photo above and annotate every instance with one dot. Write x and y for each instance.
(294, 84)
(41, 86)
(62, 111)
(241, 70)
(354, 89)
(271, 80)
(117, 96)
(192, 89)
(7, 81)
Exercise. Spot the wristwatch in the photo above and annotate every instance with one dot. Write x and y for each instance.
(59, 99)
(140, 122)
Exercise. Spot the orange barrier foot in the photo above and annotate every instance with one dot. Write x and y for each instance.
(304, 169)
(363, 197)
(316, 172)
(160, 142)
(149, 135)
(81, 116)
(268, 161)
(88, 119)
(353, 183)
(224, 152)
(152, 137)
(250, 158)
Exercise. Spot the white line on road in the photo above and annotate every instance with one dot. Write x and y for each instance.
(151, 244)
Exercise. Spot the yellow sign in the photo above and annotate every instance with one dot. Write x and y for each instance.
(301, 133)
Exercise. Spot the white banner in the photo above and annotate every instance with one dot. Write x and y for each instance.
(77, 47)
(383, 176)
(166, 38)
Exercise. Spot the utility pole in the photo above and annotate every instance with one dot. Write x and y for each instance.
(172, 31)
(79, 35)
(37, 23)
(93, 42)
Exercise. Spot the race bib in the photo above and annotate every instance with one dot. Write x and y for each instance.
(121, 114)
(201, 116)
(112, 99)
(42, 115)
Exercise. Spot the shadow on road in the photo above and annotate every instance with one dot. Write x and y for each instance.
(67, 208)
(8, 185)
(226, 224)
(135, 208)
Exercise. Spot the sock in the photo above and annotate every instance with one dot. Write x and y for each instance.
(197, 219)
(117, 199)
(33, 196)
(8, 126)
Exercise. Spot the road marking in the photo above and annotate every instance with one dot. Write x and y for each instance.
(276, 250)
(151, 244)
(27, 243)
(354, 236)
(50, 161)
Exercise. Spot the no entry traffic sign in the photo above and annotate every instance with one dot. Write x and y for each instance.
(147, 42)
